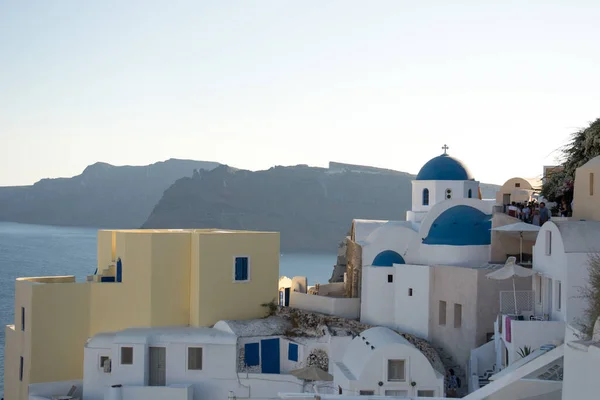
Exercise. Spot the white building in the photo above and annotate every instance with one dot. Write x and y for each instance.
(581, 365)
(381, 362)
(560, 259)
(174, 363)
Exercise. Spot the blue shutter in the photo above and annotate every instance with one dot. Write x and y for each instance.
(244, 268)
(251, 354)
(238, 269)
(293, 352)
(241, 268)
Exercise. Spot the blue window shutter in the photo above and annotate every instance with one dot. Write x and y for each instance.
(293, 352)
(241, 268)
(251, 354)
(238, 269)
(245, 268)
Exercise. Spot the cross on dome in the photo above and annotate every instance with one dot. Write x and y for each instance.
(445, 148)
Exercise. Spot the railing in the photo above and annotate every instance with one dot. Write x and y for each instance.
(524, 302)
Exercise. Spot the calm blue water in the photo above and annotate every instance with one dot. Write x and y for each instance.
(34, 250)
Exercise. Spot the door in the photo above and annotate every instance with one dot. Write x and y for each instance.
(269, 356)
(287, 297)
(157, 363)
(506, 198)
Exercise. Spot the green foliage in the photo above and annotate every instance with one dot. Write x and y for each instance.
(584, 145)
(591, 294)
(524, 351)
(271, 307)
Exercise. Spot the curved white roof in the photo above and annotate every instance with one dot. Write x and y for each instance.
(363, 228)
(362, 347)
(580, 236)
(593, 163)
(161, 335)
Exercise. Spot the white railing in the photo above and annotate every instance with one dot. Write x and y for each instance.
(525, 302)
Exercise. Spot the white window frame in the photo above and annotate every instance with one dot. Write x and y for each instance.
(249, 268)
(187, 356)
(100, 357)
(387, 371)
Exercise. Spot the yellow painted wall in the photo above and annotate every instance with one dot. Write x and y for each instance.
(219, 296)
(586, 203)
(170, 276)
(59, 330)
(16, 345)
(116, 306)
(509, 187)
(105, 249)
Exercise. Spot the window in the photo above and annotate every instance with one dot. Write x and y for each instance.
(23, 318)
(126, 355)
(410, 291)
(591, 183)
(241, 269)
(457, 315)
(442, 313)
(399, 393)
(518, 184)
(251, 357)
(538, 285)
(548, 243)
(21, 369)
(293, 352)
(448, 193)
(425, 393)
(396, 371)
(425, 197)
(194, 358)
(103, 360)
(366, 392)
(470, 193)
(558, 295)
(390, 278)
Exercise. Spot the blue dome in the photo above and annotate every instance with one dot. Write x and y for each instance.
(387, 258)
(461, 226)
(444, 168)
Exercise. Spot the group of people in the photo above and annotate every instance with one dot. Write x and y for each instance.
(530, 212)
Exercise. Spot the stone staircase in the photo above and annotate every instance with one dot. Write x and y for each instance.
(485, 378)
(459, 371)
(109, 274)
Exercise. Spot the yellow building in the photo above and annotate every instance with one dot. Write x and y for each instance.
(586, 193)
(145, 278)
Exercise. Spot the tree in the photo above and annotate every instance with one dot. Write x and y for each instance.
(591, 294)
(584, 145)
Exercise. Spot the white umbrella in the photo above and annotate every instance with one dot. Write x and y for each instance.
(511, 270)
(519, 228)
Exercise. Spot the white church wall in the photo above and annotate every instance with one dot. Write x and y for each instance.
(377, 296)
(451, 255)
(391, 236)
(412, 284)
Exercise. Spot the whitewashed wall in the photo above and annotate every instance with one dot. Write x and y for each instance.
(338, 306)
(418, 369)
(377, 296)
(391, 236)
(411, 313)
(49, 389)
(176, 392)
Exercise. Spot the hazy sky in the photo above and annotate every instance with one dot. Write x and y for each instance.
(260, 83)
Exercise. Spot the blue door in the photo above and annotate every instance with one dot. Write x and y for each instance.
(269, 356)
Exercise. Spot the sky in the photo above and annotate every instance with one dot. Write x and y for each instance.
(254, 84)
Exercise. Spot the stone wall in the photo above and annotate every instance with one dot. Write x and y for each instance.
(354, 268)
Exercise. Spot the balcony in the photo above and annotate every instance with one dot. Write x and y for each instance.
(519, 326)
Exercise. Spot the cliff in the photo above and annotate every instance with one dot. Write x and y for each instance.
(311, 207)
(102, 196)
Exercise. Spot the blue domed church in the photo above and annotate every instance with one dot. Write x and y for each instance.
(448, 223)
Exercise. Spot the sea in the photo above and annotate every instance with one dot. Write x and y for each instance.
(37, 250)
